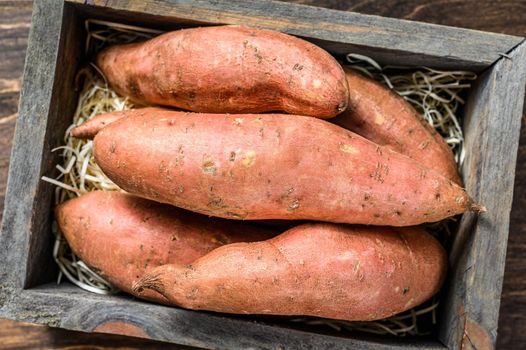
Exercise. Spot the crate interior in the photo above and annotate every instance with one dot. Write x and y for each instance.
(41, 269)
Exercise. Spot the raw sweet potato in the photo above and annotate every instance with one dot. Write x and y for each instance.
(325, 270)
(90, 128)
(228, 69)
(384, 117)
(271, 166)
(122, 236)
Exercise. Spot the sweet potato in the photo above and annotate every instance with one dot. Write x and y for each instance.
(271, 166)
(122, 236)
(90, 128)
(325, 270)
(384, 117)
(228, 69)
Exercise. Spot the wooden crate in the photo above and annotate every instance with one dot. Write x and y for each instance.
(491, 123)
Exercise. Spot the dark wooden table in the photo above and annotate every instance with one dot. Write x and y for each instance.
(507, 16)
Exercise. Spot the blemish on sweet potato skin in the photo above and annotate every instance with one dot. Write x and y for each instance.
(254, 74)
(132, 85)
(249, 158)
(295, 204)
(208, 166)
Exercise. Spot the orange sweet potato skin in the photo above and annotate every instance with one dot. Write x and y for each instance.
(271, 166)
(324, 270)
(122, 236)
(228, 69)
(90, 128)
(384, 117)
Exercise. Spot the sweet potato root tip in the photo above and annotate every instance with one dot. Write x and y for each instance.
(343, 106)
(478, 208)
(148, 281)
(90, 128)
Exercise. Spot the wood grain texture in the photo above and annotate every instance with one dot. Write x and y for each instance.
(22, 336)
(494, 109)
(14, 30)
(503, 16)
(512, 318)
(393, 41)
(23, 181)
(186, 326)
(499, 17)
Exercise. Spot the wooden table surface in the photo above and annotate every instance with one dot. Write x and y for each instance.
(507, 16)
